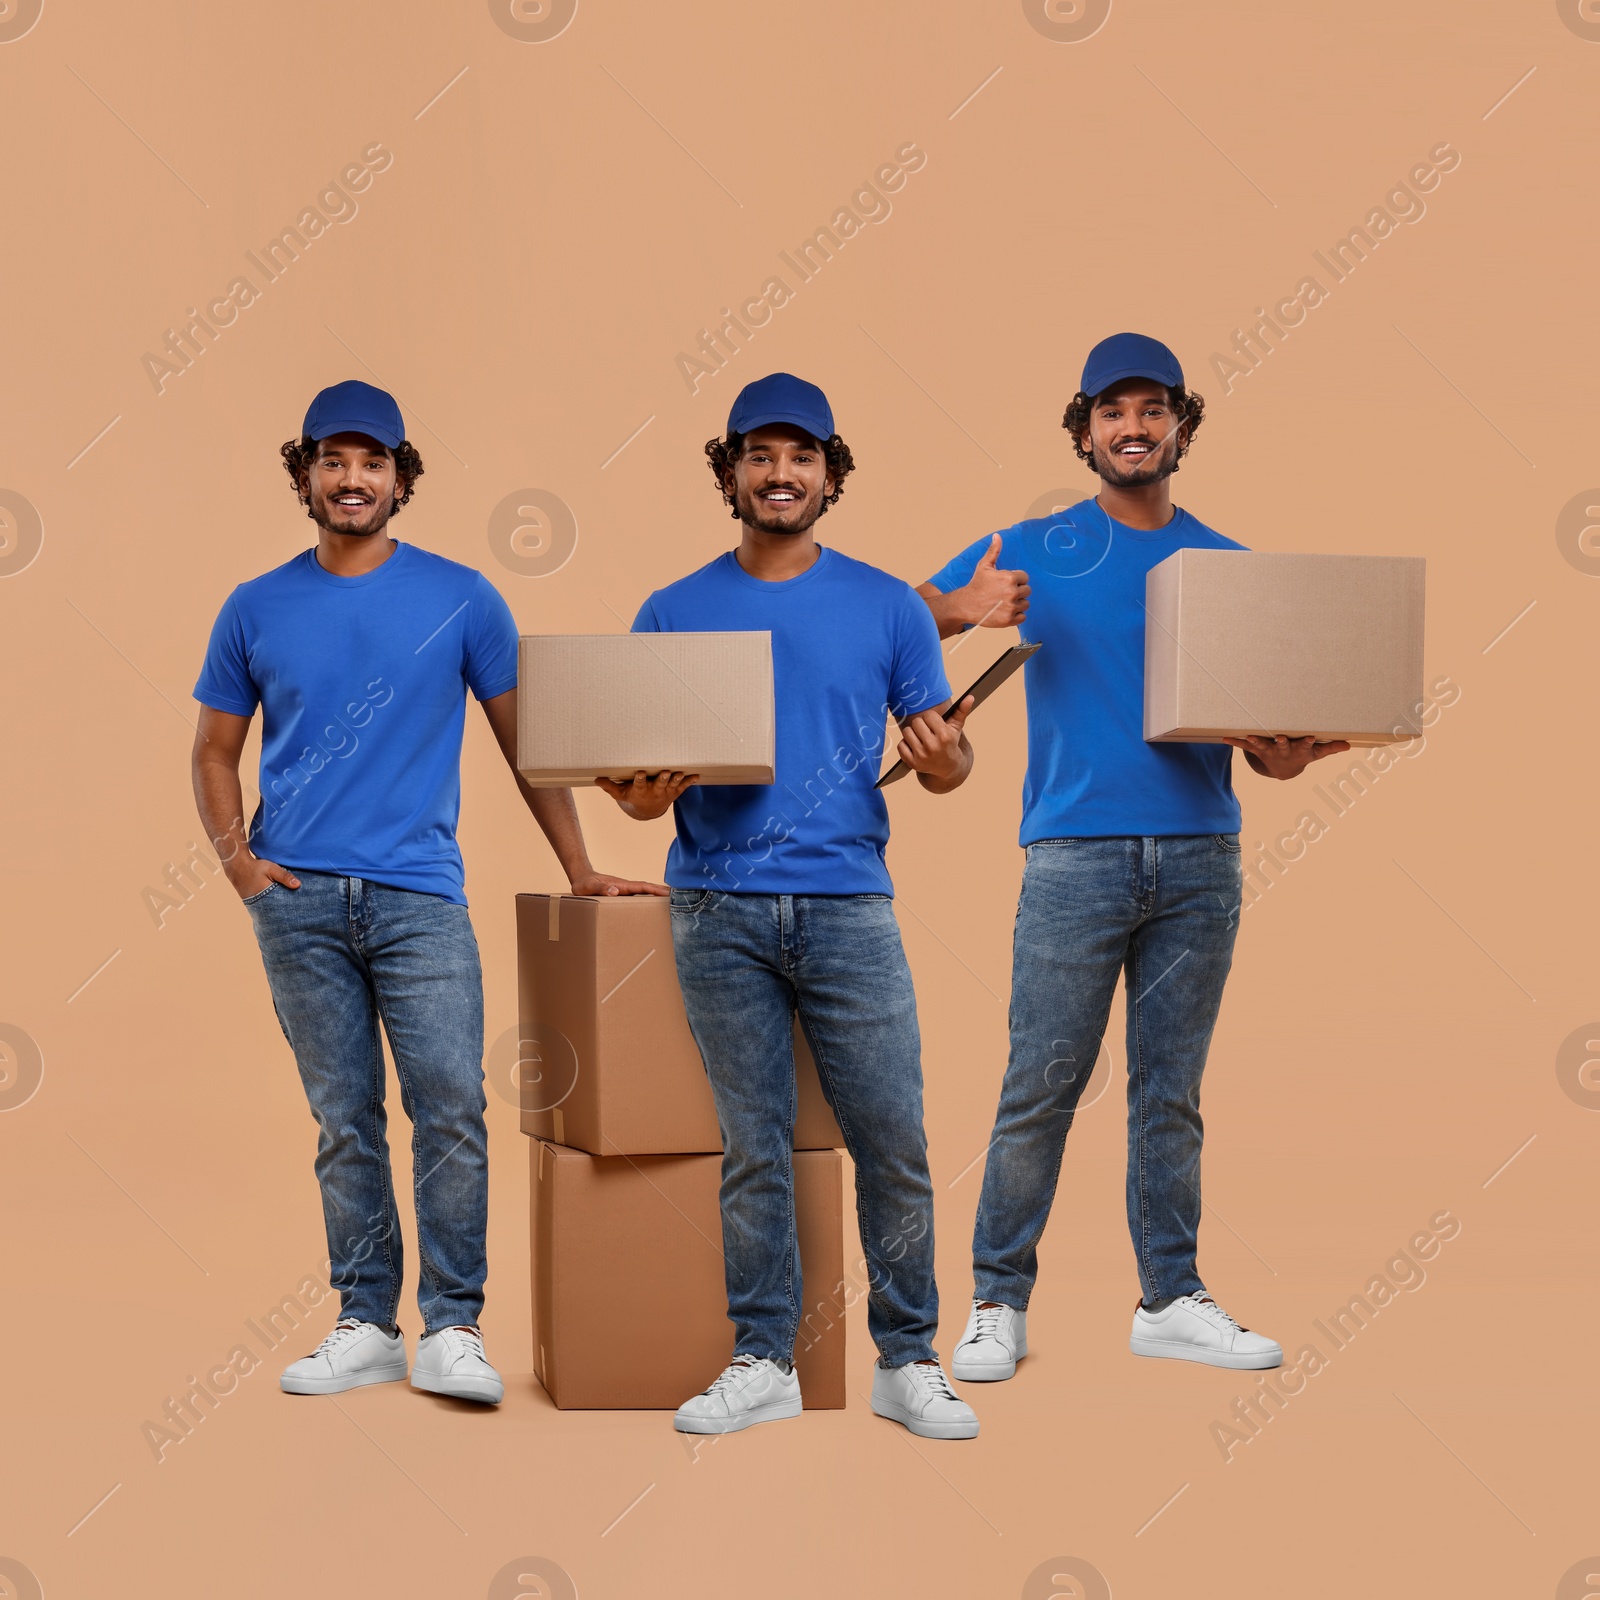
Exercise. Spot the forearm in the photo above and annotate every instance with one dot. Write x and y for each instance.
(220, 800)
(949, 610)
(557, 815)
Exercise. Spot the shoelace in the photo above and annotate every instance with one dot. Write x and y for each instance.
(464, 1341)
(989, 1320)
(732, 1375)
(343, 1333)
(1212, 1312)
(932, 1381)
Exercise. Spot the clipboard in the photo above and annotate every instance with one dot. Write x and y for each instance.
(986, 685)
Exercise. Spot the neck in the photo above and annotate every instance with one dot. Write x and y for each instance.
(1145, 506)
(773, 557)
(346, 556)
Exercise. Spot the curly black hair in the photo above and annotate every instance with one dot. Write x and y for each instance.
(298, 454)
(722, 453)
(1189, 408)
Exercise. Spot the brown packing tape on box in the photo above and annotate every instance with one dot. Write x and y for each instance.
(1255, 642)
(629, 1299)
(608, 1064)
(610, 705)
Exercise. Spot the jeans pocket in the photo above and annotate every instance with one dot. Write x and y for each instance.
(1047, 849)
(689, 901)
(260, 895)
(1228, 842)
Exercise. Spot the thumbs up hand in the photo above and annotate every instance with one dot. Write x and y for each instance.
(994, 597)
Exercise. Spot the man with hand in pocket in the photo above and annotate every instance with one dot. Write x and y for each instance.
(781, 901)
(360, 653)
(1132, 868)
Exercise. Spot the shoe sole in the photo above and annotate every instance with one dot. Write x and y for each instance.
(924, 1430)
(484, 1390)
(339, 1385)
(773, 1411)
(1169, 1350)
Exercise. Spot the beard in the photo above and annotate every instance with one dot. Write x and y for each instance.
(375, 521)
(798, 518)
(1161, 463)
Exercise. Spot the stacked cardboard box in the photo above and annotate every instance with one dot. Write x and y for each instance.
(629, 1303)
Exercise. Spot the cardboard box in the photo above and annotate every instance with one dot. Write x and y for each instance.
(630, 1307)
(608, 705)
(1244, 641)
(608, 1062)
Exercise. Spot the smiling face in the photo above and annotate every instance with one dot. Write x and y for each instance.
(351, 484)
(780, 480)
(1134, 434)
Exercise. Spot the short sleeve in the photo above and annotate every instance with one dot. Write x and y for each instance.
(491, 643)
(957, 573)
(917, 681)
(647, 621)
(225, 683)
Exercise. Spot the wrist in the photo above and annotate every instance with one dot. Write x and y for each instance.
(237, 868)
(578, 867)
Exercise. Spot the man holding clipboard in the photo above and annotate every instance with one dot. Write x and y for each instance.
(782, 903)
(1132, 867)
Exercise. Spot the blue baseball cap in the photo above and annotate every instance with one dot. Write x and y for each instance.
(781, 397)
(1129, 355)
(356, 407)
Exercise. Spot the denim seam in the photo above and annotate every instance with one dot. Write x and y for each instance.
(391, 1209)
(792, 1239)
(797, 928)
(1134, 990)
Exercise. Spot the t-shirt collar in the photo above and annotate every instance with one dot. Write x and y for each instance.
(778, 585)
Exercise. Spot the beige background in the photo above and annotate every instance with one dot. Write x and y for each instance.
(560, 219)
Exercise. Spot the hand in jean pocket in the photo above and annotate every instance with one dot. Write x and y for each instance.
(255, 877)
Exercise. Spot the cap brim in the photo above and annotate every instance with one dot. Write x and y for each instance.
(326, 430)
(765, 419)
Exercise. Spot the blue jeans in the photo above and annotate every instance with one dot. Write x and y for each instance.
(746, 962)
(1164, 912)
(342, 956)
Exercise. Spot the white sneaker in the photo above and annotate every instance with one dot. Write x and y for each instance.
(1196, 1328)
(353, 1354)
(749, 1391)
(452, 1362)
(919, 1396)
(995, 1341)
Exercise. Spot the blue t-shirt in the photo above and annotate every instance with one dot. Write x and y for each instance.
(1090, 772)
(851, 646)
(362, 684)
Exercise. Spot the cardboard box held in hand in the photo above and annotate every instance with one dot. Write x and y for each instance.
(609, 705)
(1244, 642)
